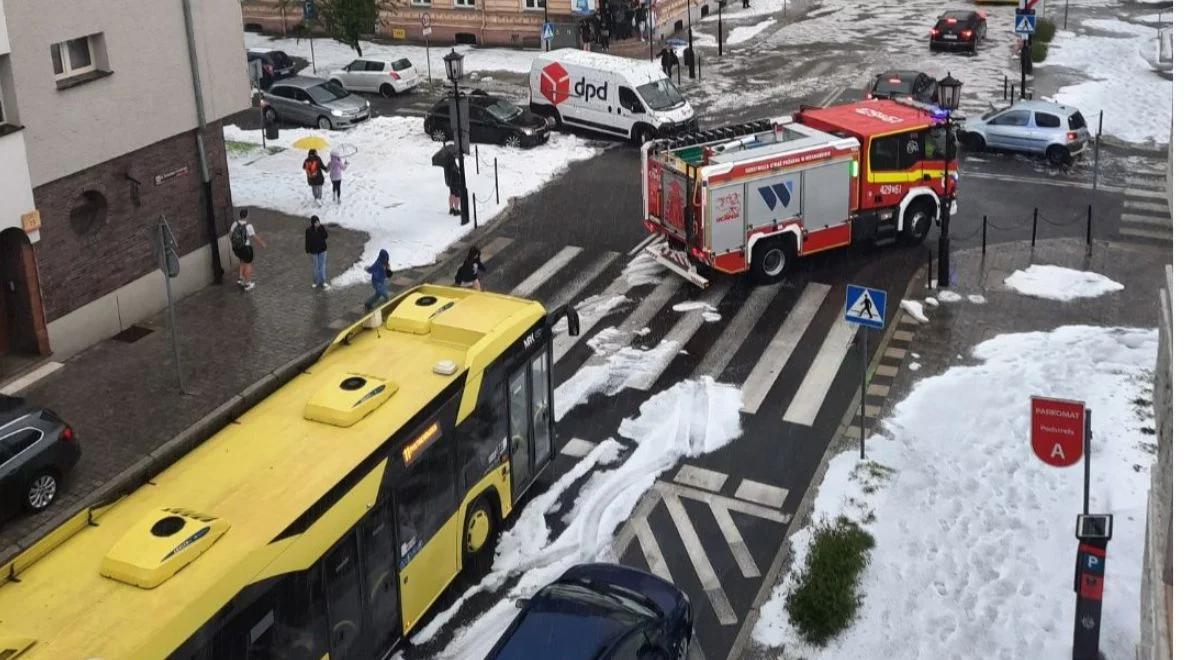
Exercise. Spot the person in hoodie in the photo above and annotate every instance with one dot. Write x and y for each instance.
(467, 275)
(316, 245)
(337, 165)
(380, 271)
(314, 169)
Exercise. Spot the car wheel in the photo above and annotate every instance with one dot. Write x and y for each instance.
(642, 135)
(337, 83)
(479, 537)
(270, 116)
(918, 218)
(324, 124)
(556, 119)
(771, 260)
(1058, 155)
(41, 491)
(513, 141)
(438, 134)
(974, 142)
(387, 91)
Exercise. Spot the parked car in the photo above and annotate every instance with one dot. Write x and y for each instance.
(1058, 131)
(314, 102)
(959, 29)
(276, 64)
(492, 119)
(599, 612)
(37, 449)
(377, 75)
(913, 85)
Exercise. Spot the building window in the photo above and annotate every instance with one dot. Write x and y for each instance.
(464, 3)
(420, 3)
(74, 57)
(90, 211)
(535, 4)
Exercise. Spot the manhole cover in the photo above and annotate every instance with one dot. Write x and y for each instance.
(132, 334)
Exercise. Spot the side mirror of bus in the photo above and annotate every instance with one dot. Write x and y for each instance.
(572, 319)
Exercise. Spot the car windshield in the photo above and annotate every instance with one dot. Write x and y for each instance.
(959, 15)
(577, 616)
(503, 110)
(326, 92)
(278, 57)
(401, 64)
(893, 83)
(992, 113)
(661, 94)
(935, 144)
(1076, 121)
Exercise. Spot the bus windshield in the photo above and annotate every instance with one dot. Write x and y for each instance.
(661, 94)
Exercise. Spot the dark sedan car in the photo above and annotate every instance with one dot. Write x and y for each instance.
(37, 449)
(275, 64)
(912, 85)
(493, 120)
(962, 29)
(600, 612)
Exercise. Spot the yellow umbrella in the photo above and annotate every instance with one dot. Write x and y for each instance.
(311, 142)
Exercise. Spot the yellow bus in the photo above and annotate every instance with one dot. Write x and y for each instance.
(326, 520)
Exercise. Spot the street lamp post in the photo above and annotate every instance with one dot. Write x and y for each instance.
(546, 20)
(720, 28)
(454, 69)
(948, 90)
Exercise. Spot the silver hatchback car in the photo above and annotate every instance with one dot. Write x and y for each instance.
(1040, 127)
(314, 102)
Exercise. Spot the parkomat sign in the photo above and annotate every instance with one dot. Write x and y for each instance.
(1057, 428)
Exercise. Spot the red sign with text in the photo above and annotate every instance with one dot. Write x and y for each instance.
(1057, 430)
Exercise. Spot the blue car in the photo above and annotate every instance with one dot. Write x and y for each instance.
(600, 611)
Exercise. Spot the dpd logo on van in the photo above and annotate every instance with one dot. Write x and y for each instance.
(588, 91)
(555, 83)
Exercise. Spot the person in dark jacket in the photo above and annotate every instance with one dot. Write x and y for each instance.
(315, 244)
(667, 57)
(450, 173)
(380, 271)
(468, 273)
(585, 33)
(314, 169)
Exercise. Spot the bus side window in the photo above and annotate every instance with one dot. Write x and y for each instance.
(426, 498)
(301, 626)
(481, 439)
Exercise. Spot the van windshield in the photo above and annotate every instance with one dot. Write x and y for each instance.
(661, 94)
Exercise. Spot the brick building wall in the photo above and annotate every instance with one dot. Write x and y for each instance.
(80, 261)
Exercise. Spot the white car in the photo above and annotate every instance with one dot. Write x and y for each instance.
(380, 76)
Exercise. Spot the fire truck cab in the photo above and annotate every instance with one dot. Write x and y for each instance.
(755, 196)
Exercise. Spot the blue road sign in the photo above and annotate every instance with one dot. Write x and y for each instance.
(310, 11)
(547, 32)
(865, 306)
(1026, 23)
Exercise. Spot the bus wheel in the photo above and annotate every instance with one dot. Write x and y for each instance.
(479, 537)
(917, 220)
(771, 260)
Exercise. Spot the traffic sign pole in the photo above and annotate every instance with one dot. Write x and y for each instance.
(862, 418)
(1087, 458)
(866, 308)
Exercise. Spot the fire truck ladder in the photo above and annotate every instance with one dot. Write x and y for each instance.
(720, 134)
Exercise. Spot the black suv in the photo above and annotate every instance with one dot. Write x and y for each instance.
(37, 448)
(276, 64)
(903, 84)
(493, 120)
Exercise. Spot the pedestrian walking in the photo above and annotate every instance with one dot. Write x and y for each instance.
(314, 169)
(316, 245)
(453, 177)
(467, 275)
(745, 4)
(664, 57)
(639, 16)
(241, 238)
(585, 33)
(380, 271)
(337, 165)
(605, 32)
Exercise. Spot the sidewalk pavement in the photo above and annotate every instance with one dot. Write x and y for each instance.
(123, 398)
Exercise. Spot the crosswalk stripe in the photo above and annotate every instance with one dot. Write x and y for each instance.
(639, 318)
(495, 246)
(1144, 233)
(579, 282)
(704, 569)
(1138, 192)
(886, 370)
(771, 363)
(548, 270)
(735, 333)
(577, 448)
(764, 494)
(650, 549)
(563, 342)
(807, 402)
(681, 333)
(699, 477)
(1149, 173)
(737, 545)
(1161, 207)
(1146, 219)
(819, 68)
(1153, 183)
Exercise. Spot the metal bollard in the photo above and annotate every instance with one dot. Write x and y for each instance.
(985, 234)
(929, 271)
(1089, 230)
(1033, 241)
(496, 171)
(477, 159)
(1005, 86)
(474, 211)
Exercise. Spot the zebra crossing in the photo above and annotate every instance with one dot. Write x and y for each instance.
(1146, 216)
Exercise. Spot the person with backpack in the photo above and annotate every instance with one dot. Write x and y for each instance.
(380, 271)
(240, 237)
(337, 165)
(315, 244)
(314, 169)
(467, 275)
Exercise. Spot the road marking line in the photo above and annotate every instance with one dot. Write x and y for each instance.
(712, 499)
(1153, 183)
(819, 68)
(894, 352)
(31, 378)
(902, 335)
(638, 319)
(886, 370)
(764, 494)
(737, 545)
(1145, 219)
(548, 270)
(651, 550)
(831, 96)
(640, 512)
(873, 411)
(1142, 233)
(718, 357)
(811, 395)
(577, 447)
(699, 477)
(775, 357)
(652, 238)
(854, 432)
(1040, 182)
(877, 390)
(580, 281)
(906, 318)
(704, 569)
(1138, 192)
(1160, 207)
(681, 333)
(495, 246)
(563, 342)
(1149, 173)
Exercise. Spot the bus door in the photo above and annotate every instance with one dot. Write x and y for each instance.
(376, 540)
(529, 420)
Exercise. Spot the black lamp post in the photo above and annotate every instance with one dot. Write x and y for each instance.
(948, 90)
(546, 20)
(720, 28)
(454, 69)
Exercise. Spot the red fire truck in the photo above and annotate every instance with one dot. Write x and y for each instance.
(755, 196)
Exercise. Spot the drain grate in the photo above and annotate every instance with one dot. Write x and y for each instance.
(132, 334)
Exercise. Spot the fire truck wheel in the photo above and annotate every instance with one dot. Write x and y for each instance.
(917, 221)
(771, 259)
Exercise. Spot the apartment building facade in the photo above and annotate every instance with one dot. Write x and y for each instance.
(100, 119)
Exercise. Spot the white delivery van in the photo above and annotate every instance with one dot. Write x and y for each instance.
(615, 95)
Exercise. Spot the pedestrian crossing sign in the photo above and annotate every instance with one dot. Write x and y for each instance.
(865, 306)
(1026, 23)
(547, 32)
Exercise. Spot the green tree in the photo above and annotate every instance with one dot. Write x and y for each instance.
(346, 21)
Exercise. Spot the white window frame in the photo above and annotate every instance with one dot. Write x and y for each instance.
(464, 4)
(534, 5)
(421, 3)
(64, 55)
